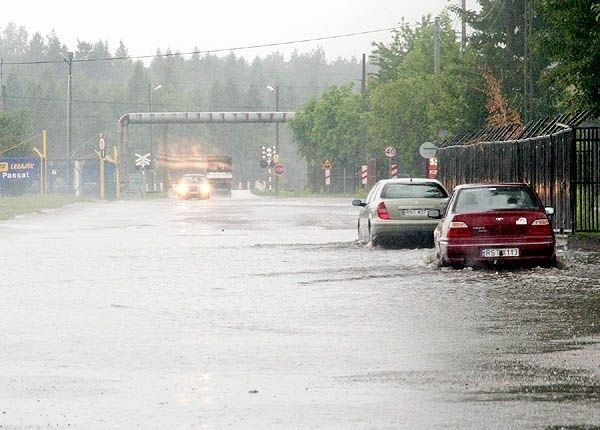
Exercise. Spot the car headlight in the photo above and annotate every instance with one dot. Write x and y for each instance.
(205, 188)
(181, 188)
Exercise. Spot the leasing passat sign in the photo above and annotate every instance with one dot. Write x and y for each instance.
(19, 169)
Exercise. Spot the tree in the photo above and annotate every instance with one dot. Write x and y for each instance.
(570, 36)
(329, 129)
(13, 128)
(410, 104)
(499, 112)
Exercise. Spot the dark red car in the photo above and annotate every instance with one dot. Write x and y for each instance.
(494, 223)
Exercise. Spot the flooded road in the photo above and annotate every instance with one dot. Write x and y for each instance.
(266, 313)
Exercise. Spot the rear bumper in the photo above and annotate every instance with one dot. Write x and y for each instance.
(403, 228)
(470, 253)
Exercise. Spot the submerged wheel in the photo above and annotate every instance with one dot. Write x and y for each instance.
(551, 262)
(441, 261)
(372, 240)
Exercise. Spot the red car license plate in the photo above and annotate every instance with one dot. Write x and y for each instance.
(500, 252)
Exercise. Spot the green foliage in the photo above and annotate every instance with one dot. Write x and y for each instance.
(330, 129)
(13, 129)
(409, 104)
(570, 36)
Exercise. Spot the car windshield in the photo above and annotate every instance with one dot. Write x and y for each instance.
(495, 198)
(193, 179)
(402, 191)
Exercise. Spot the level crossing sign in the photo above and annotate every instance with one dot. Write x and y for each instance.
(142, 160)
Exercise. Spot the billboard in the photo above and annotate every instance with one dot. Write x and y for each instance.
(23, 169)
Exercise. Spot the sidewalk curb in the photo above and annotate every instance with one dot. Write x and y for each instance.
(579, 243)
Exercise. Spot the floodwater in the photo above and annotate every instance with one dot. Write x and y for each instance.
(266, 313)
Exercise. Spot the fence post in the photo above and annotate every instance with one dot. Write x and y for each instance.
(574, 179)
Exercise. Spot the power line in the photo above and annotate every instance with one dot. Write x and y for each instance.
(208, 51)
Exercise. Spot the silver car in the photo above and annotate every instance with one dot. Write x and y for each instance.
(396, 211)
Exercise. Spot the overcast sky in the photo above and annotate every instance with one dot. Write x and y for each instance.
(145, 26)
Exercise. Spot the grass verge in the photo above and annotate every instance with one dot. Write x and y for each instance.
(12, 206)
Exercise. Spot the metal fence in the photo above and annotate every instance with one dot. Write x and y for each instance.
(586, 180)
(562, 165)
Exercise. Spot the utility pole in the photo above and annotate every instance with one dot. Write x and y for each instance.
(2, 86)
(527, 84)
(276, 91)
(277, 135)
(436, 47)
(152, 149)
(463, 6)
(363, 107)
(152, 157)
(69, 61)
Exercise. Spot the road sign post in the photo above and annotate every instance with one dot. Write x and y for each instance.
(364, 174)
(102, 146)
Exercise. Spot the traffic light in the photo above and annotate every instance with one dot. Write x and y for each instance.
(269, 156)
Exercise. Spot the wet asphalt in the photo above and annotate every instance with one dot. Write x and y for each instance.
(267, 313)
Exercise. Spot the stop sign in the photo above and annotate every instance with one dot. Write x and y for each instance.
(279, 169)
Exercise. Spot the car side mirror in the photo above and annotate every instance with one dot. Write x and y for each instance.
(549, 211)
(358, 202)
(434, 213)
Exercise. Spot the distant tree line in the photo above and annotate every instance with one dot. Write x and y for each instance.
(107, 84)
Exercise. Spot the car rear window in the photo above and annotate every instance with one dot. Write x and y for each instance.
(496, 198)
(402, 191)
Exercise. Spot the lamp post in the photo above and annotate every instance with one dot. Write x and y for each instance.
(276, 91)
(152, 156)
(69, 61)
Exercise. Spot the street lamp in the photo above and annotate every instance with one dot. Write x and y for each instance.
(69, 61)
(276, 91)
(152, 157)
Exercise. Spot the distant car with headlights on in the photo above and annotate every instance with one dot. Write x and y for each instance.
(193, 185)
(396, 211)
(503, 223)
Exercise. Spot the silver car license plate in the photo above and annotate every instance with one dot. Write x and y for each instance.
(500, 252)
(414, 212)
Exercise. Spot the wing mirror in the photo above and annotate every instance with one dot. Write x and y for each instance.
(358, 202)
(549, 211)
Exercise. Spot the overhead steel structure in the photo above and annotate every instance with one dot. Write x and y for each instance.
(192, 118)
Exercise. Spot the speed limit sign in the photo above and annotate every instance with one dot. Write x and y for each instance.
(390, 151)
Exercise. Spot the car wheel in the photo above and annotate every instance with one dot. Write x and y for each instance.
(551, 262)
(441, 260)
(373, 241)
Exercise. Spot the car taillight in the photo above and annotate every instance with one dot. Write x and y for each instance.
(458, 229)
(540, 227)
(382, 211)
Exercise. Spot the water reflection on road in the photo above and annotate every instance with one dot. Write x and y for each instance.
(267, 313)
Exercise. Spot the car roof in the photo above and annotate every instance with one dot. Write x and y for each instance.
(409, 181)
(494, 184)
